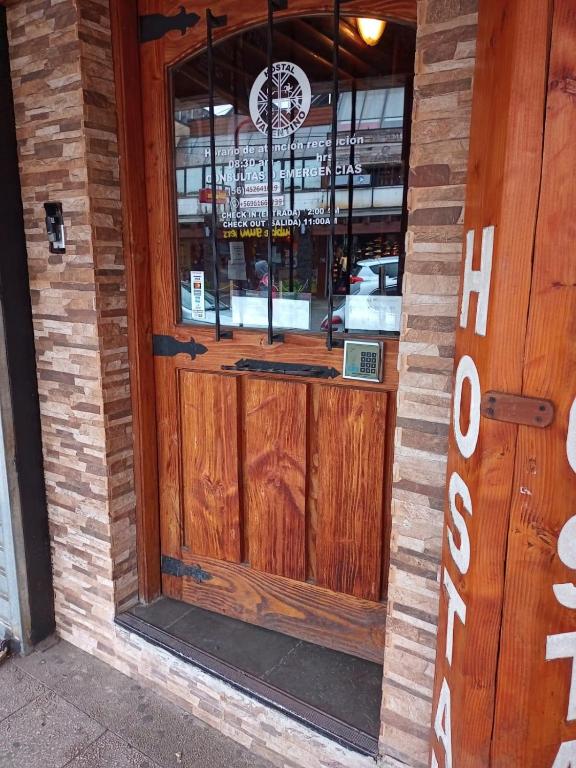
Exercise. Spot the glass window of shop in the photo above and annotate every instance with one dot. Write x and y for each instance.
(370, 178)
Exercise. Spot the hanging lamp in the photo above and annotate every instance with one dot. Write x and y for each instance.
(371, 30)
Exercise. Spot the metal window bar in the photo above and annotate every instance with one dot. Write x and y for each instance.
(273, 5)
(291, 266)
(406, 139)
(349, 224)
(330, 341)
(213, 22)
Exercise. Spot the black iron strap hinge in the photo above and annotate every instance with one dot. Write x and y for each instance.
(168, 346)
(154, 26)
(171, 566)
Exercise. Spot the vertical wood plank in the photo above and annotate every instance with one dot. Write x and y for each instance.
(125, 48)
(169, 490)
(209, 446)
(351, 453)
(313, 485)
(275, 475)
(531, 719)
(387, 506)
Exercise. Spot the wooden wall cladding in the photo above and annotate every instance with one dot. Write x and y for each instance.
(535, 717)
(505, 692)
(284, 479)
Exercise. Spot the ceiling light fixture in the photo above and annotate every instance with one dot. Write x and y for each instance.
(371, 30)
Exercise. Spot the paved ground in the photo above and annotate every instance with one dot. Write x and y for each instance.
(61, 707)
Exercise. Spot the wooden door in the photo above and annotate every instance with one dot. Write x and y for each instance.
(274, 488)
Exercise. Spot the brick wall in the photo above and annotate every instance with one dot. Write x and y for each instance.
(66, 123)
(441, 123)
(66, 126)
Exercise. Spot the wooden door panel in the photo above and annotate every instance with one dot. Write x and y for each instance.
(275, 476)
(349, 506)
(296, 608)
(275, 489)
(210, 476)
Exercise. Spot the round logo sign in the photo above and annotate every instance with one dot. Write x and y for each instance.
(291, 97)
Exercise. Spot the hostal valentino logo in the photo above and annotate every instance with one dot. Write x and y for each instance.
(291, 96)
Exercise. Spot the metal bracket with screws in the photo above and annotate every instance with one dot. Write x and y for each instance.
(517, 409)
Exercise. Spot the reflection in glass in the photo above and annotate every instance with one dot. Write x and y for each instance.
(366, 274)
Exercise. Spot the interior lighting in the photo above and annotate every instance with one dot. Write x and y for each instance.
(371, 30)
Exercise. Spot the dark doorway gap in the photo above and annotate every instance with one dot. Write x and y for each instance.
(335, 693)
(22, 433)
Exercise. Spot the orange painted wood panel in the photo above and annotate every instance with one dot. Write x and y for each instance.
(504, 174)
(210, 464)
(531, 720)
(351, 451)
(336, 621)
(275, 416)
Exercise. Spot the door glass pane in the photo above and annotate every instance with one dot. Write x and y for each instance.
(370, 178)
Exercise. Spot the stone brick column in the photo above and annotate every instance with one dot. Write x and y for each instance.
(63, 85)
(444, 66)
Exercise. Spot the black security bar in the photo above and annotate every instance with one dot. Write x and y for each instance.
(212, 22)
(291, 266)
(273, 5)
(285, 369)
(334, 135)
(349, 224)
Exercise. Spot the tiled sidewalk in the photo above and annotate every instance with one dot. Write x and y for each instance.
(61, 707)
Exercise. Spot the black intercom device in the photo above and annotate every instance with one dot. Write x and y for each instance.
(55, 227)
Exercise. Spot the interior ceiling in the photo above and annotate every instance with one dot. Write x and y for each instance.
(304, 41)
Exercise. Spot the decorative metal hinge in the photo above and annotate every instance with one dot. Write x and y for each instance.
(290, 369)
(171, 566)
(168, 346)
(154, 26)
(517, 409)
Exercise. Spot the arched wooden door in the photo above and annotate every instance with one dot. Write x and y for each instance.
(274, 469)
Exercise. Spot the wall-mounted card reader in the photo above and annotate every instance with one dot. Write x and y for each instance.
(363, 360)
(55, 227)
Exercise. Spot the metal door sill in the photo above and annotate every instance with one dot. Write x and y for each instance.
(327, 725)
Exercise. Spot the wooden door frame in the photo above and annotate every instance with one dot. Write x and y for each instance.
(125, 48)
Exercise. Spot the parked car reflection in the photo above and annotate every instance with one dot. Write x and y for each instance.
(209, 308)
(370, 277)
(367, 275)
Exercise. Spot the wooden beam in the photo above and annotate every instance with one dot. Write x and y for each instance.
(325, 41)
(124, 24)
(308, 53)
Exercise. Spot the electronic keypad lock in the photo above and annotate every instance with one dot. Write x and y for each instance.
(363, 360)
(55, 227)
